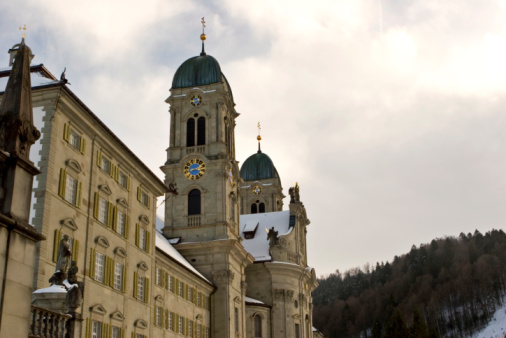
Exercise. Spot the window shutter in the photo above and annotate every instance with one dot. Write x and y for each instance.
(75, 250)
(185, 291)
(116, 174)
(166, 277)
(194, 296)
(105, 330)
(78, 197)
(66, 132)
(127, 226)
(146, 290)
(88, 328)
(149, 202)
(122, 333)
(166, 319)
(128, 183)
(139, 192)
(154, 315)
(92, 263)
(99, 158)
(61, 185)
(137, 230)
(115, 219)
(110, 214)
(95, 207)
(106, 270)
(148, 237)
(82, 146)
(135, 284)
(56, 244)
(123, 279)
(112, 170)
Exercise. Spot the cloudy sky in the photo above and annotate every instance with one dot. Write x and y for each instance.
(390, 114)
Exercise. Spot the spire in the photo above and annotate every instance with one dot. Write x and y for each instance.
(203, 36)
(259, 138)
(17, 132)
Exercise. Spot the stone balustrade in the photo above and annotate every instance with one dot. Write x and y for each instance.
(47, 324)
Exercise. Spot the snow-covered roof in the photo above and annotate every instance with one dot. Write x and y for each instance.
(251, 300)
(163, 244)
(258, 246)
(52, 289)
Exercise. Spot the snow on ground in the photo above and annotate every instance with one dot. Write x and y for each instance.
(496, 328)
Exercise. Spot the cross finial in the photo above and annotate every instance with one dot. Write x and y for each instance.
(203, 24)
(23, 29)
(203, 36)
(259, 138)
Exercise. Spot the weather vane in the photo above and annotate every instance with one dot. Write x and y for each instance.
(203, 24)
(23, 29)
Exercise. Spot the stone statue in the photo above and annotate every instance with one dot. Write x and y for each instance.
(62, 263)
(292, 195)
(72, 273)
(74, 297)
(272, 236)
(173, 188)
(296, 192)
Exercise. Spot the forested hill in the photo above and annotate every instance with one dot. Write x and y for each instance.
(448, 288)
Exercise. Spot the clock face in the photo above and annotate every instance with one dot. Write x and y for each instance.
(196, 100)
(194, 169)
(257, 190)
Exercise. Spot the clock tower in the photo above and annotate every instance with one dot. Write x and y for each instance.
(202, 205)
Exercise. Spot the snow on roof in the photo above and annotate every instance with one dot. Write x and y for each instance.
(52, 289)
(258, 246)
(250, 226)
(251, 300)
(163, 244)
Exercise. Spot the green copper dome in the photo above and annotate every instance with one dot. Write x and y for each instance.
(197, 71)
(257, 167)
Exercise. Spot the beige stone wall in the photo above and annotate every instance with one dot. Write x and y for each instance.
(264, 313)
(271, 194)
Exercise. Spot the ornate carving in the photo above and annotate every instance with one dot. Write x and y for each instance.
(278, 293)
(272, 236)
(294, 193)
(173, 188)
(226, 276)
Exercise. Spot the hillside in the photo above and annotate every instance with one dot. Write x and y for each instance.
(450, 287)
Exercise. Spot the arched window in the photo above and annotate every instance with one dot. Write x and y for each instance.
(258, 326)
(261, 208)
(190, 132)
(201, 131)
(194, 202)
(254, 208)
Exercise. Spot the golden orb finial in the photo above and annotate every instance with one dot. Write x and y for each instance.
(259, 138)
(203, 35)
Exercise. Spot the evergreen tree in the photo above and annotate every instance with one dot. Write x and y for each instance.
(418, 329)
(396, 327)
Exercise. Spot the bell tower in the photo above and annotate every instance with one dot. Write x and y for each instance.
(202, 205)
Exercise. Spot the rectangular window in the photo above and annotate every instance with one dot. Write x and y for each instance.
(199, 299)
(75, 140)
(120, 224)
(199, 328)
(171, 321)
(140, 287)
(180, 325)
(207, 332)
(190, 328)
(71, 190)
(171, 284)
(99, 267)
(143, 197)
(96, 329)
(123, 180)
(159, 276)
(103, 208)
(106, 164)
(236, 319)
(116, 332)
(180, 289)
(118, 276)
(190, 294)
(158, 315)
(297, 331)
(142, 239)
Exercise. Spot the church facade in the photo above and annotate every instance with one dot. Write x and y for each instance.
(228, 261)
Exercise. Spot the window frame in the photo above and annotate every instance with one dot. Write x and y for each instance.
(99, 270)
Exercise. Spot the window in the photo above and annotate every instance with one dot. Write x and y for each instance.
(254, 208)
(261, 208)
(180, 289)
(236, 319)
(96, 329)
(106, 165)
(121, 223)
(142, 239)
(258, 326)
(171, 321)
(190, 328)
(99, 267)
(69, 188)
(198, 138)
(194, 202)
(73, 138)
(143, 197)
(199, 330)
(118, 276)
(158, 316)
(207, 332)
(257, 207)
(116, 332)
(124, 180)
(103, 207)
(201, 131)
(180, 325)
(159, 276)
(190, 294)
(140, 287)
(171, 284)
(297, 331)
(190, 132)
(199, 302)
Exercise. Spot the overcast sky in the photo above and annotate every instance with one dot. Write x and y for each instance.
(390, 114)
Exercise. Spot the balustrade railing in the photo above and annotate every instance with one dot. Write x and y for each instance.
(47, 324)
(193, 221)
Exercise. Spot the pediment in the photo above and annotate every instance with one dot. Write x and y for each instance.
(117, 315)
(143, 266)
(159, 298)
(102, 241)
(144, 219)
(98, 308)
(140, 323)
(120, 252)
(123, 202)
(74, 165)
(105, 189)
(69, 223)
(296, 316)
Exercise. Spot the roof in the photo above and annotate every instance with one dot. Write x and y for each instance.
(41, 79)
(257, 167)
(197, 71)
(163, 245)
(258, 246)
